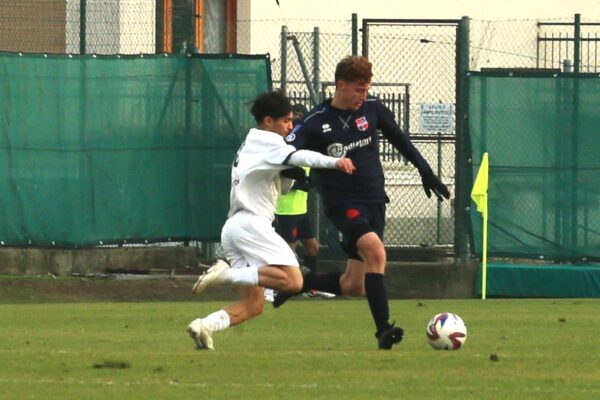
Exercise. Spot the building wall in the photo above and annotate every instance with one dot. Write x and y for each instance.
(137, 27)
(33, 26)
(478, 9)
(52, 26)
(261, 20)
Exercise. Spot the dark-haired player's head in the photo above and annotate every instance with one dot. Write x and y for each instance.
(273, 112)
(352, 82)
(270, 104)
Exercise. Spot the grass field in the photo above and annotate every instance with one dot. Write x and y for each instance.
(308, 349)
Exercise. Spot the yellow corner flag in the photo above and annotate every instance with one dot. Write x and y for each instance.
(480, 188)
(479, 194)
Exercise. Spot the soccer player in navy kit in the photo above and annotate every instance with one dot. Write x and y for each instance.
(347, 125)
(257, 257)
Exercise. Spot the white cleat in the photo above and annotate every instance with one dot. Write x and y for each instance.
(318, 293)
(210, 276)
(325, 295)
(201, 335)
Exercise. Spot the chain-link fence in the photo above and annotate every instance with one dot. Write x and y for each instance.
(414, 70)
(56, 26)
(534, 44)
(415, 62)
(419, 56)
(412, 219)
(142, 26)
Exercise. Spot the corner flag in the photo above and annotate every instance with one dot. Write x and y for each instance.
(480, 188)
(479, 194)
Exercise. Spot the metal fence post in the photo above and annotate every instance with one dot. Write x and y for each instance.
(439, 175)
(283, 74)
(354, 34)
(304, 69)
(316, 61)
(82, 26)
(463, 162)
(577, 43)
(365, 39)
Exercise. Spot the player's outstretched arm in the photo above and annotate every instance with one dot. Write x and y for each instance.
(308, 158)
(345, 165)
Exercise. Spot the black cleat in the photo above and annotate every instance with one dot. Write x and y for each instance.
(389, 337)
(282, 297)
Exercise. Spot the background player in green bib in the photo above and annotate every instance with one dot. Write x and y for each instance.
(292, 221)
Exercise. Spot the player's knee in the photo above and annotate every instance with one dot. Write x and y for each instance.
(374, 255)
(378, 256)
(294, 285)
(293, 281)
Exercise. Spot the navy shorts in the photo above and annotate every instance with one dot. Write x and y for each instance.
(354, 220)
(294, 227)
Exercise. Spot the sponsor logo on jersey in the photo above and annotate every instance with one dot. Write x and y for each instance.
(362, 124)
(359, 143)
(326, 128)
(339, 150)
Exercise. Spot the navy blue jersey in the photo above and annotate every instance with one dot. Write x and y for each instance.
(353, 134)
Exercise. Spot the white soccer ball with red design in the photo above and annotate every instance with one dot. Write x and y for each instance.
(446, 331)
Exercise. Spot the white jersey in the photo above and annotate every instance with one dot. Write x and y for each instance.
(255, 180)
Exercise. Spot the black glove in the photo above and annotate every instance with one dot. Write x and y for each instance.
(295, 173)
(431, 183)
(304, 184)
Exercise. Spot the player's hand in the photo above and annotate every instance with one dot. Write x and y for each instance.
(432, 183)
(345, 165)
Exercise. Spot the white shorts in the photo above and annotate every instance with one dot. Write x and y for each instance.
(250, 240)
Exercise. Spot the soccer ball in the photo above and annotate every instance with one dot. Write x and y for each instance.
(446, 331)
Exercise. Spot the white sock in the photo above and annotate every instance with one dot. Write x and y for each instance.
(241, 276)
(217, 321)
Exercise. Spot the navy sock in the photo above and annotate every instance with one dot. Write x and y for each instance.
(378, 301)
(324, 282)
(311, 262)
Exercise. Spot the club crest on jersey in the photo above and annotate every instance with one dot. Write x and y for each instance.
(326, 128)
(336, 150)
(291, 137)
(362, 124)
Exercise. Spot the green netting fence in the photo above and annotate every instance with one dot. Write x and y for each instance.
(542, 135)
(100, 150)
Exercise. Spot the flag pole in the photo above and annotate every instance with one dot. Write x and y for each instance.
(484, 255)
(479, 194)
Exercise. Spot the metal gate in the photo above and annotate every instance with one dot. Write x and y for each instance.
(422, 55)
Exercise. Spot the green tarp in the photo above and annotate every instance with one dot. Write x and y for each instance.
(112, 149)
(518, 280)
(543, 139)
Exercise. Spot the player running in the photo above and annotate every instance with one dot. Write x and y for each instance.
(257, 257)
(348, 125)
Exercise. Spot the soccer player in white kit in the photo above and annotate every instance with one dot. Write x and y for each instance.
(257, 257)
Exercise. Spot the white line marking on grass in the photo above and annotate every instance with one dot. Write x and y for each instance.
(170, 381)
